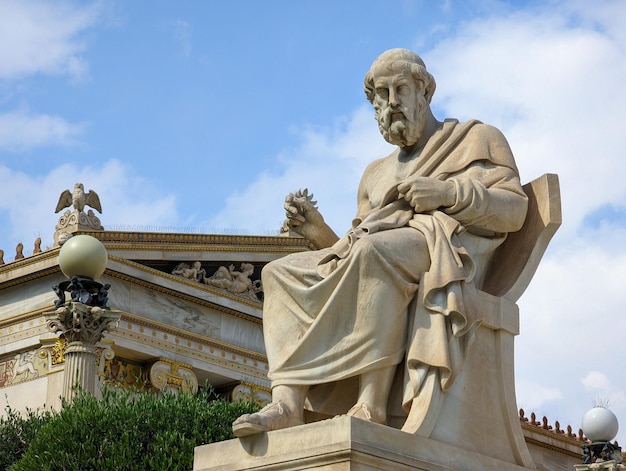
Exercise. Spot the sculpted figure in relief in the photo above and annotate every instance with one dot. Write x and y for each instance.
(237, 282)
(194, 272)
(380, 320)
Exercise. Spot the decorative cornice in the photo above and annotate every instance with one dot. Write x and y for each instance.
(570, 441)
(29, 260)
(554, 448)
(551, 433)
(169, 238)
(26, 316)
(10, 333)
(30, 277)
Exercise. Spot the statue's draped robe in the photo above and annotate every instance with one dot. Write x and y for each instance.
(333, 314)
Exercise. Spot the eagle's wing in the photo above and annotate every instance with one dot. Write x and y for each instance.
(65, 200)
(92, 199)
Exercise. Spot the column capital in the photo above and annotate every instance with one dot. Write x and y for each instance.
(78, 322)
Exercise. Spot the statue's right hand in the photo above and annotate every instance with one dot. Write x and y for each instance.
(301, 212)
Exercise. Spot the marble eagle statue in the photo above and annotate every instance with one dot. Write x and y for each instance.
(79, 199)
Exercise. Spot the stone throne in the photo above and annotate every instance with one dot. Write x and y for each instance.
(479, 412)
(475, 425)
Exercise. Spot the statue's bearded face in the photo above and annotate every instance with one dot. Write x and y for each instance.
(400, 107)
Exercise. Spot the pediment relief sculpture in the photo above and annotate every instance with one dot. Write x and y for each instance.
(238, 282)
(193, 272)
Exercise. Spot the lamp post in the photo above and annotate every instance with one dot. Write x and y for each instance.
(83, 320)
(600, 426)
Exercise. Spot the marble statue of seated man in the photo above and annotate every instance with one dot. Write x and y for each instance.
(392, 301)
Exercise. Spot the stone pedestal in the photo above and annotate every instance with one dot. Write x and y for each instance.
(74, 221)
(341, 444)
(601, 466)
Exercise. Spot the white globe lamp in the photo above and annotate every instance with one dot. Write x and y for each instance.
(83, 256)
(600, 425)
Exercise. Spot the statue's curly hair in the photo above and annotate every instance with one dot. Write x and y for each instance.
(390, 60)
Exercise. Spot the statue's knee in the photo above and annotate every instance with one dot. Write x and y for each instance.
(367, 246)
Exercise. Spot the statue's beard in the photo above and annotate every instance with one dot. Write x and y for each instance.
(398, 125)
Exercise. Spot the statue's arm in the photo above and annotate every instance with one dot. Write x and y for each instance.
(498, 208)
(488, 193)
(303, 217)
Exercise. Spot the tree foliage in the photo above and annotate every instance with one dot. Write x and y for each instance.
(125, 430)
(17, 431)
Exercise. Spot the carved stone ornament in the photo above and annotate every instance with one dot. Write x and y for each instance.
(236, 282)
(79, 199)
(72, 221)
(79, 322)
(226, 278)
(251, 393)
(191, 272)
(610, 465)
(172, 376)
(57, 352)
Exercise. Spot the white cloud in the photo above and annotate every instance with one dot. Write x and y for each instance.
(536, 396)
(43, 37)
(595, 380)
(22, 130)
(182, 35)
(329, 162)
(607, 393)
(127, 199)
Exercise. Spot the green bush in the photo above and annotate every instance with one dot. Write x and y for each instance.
(17, 431)
(127, 430)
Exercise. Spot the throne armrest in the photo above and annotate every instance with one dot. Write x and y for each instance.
(514, 263)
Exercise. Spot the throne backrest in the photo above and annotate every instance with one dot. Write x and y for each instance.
(514, 263)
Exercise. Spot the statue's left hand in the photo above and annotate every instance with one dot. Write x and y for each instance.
(426, 193)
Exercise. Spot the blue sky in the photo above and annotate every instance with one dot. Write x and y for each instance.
(201, 116)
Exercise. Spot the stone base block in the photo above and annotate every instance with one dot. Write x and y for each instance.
(341, 444)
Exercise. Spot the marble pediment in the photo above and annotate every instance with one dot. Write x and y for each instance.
(141, 266)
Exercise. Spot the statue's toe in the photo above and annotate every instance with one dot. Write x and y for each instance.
(361, 411)
(272, 417)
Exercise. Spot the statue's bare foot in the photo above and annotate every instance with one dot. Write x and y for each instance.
(361, 411)
(272, 417)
